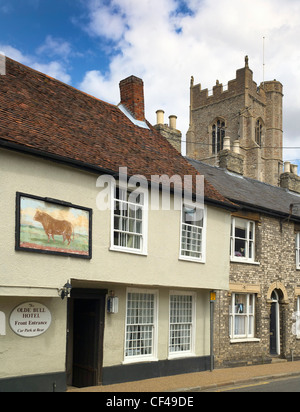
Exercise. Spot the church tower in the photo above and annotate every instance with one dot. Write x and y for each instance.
(238, 126)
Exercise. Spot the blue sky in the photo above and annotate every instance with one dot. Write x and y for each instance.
(46, 31)
(93, 44)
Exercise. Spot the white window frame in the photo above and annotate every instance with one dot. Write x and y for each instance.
(297, 319)
(192, 325)
(193, 229)
(245, 313)
(2, 324)
(130, 205)
(297, 251)
(248, 241)
(129, 358)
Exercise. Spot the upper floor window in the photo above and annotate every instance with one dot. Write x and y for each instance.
(193, 233)
(129, 221)
(218, 134)
(258, 132)
(242, 240)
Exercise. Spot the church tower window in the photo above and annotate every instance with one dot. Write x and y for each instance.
(218, 134)
(258, 132)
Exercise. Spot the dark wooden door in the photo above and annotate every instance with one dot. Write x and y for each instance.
(273, 329)
(87, 346)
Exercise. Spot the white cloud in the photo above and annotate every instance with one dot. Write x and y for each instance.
(166, 41)
(107, 21)
(53, 68)
(14, 54)
(55, 47)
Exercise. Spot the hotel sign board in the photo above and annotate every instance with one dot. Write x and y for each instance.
(30, 319)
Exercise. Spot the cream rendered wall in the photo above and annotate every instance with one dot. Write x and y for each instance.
(161, 267)
(31, 276)
(114, 336)
(29, 356)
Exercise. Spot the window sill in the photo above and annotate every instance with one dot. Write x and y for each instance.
(139, 359)
(180, 355)
(191, 259)
(244, 340)
(131, 251)
(247, 262)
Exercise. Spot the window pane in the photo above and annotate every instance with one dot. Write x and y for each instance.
(240, 303)
(241, 228)
(240, 325)
(251, 250)
(139, 340)
(251, 326)
(251, 231)
(240, 248)
(193, 216)
(251, 304)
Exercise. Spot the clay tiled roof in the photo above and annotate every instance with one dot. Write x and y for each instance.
(47, 117)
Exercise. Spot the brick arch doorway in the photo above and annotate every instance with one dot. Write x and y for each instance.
(277, 297)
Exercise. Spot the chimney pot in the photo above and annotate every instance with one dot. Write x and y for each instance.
(236, 146)
(226, 145)
(172, 122)
(294, 169)
(160, 117)
(132, 96)
(287, 167)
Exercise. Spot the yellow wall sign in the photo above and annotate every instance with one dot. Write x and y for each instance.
(213, 296)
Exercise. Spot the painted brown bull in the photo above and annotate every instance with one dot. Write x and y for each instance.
(55, 227)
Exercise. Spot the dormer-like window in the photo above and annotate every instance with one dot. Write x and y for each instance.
(218, 134)
(258, 132)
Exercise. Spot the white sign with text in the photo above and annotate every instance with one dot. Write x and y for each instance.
(30, 319)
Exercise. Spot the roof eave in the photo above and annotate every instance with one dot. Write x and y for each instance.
(270, 212)
(93, 168)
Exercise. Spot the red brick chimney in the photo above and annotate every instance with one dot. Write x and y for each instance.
(132, 96)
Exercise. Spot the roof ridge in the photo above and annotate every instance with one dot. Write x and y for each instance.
(60, 81)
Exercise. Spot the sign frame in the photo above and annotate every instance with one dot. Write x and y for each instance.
(52, 226)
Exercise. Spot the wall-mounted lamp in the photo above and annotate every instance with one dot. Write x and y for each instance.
(65, 291)
(112, 303)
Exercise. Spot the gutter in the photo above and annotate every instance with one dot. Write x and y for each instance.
(271, 212)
